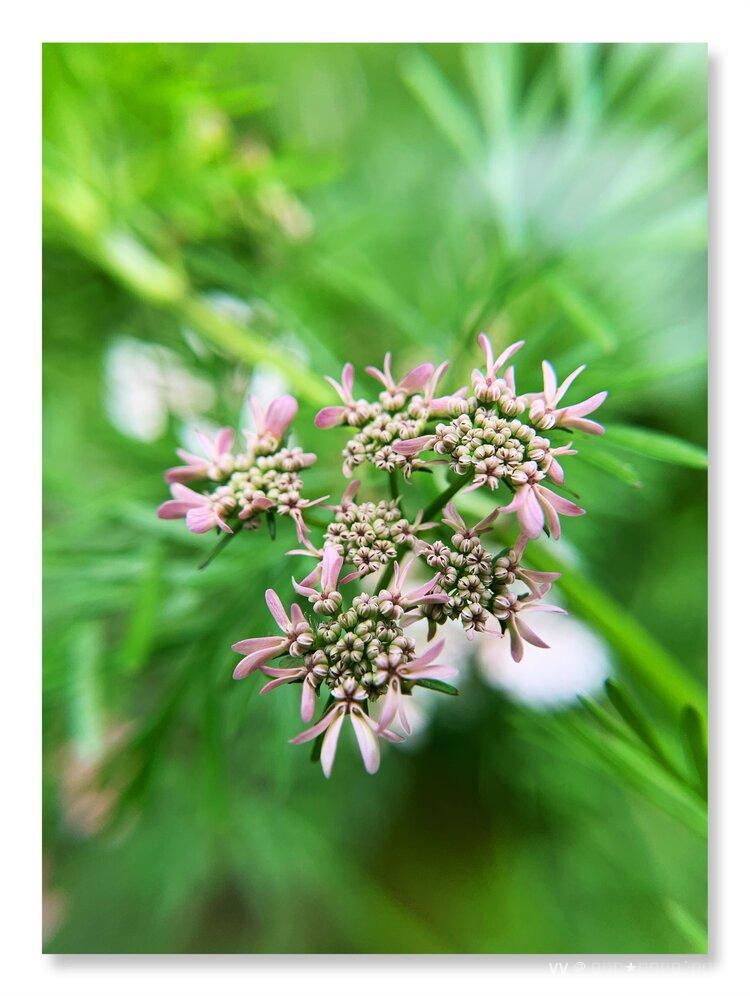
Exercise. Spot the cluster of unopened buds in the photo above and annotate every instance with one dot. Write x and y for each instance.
(351, 648)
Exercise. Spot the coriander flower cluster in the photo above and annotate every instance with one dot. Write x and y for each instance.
(347, 640)
(236, 488)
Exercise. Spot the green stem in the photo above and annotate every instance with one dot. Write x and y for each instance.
(393, 482)
(218, 548)
(435, 506)
(444, 497)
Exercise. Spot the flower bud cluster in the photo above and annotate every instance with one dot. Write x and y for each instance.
(361, 643)
(369, 535)
(374, 441)
(492, 447)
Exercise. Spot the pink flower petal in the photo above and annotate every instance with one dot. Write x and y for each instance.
(277, 610)
(280, 413)
(173, 510)
(258, 643)
(330, 416)
(224, 440)
(410, 447)
(390, 704)
(331, 567)
(429, 655)
(307, 705)
(330, 742)
(416, 378)
(312, 732)
(367, 740)
(529, 635)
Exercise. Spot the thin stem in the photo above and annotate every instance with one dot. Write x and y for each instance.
(393, 482)
(444, 497)
(435, 506)
(218, 548)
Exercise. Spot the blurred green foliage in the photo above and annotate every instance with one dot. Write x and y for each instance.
(228, 212)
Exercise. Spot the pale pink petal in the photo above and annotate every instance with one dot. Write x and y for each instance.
(347, 381)
(529, 635)
(312, 732)
(224, 440)
(378, 375)
(180, 474)
(416, 378)
(582, 424)
(200, 520)
(330, 416)
(486, 523)
(484, 341)
(516, 643)
(181, 493)
(259, 416)
(307, 705)
(550, 383)
(410, 447)
(253, 661)
(283, 672)
(452, 517)
(433, 671)
(331, 567)
(507, 353)
(429, 655)
(585, 407)
(277, 682)
(563, 388)
(560, 504)
(280, 414)
(330, 742)
(173, 510)
(367, 740)
(277, 610)
(256, 643)
(298, 616)
(390, 704)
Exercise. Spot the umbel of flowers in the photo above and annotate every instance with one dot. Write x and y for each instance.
(236, 488)
(352, 650)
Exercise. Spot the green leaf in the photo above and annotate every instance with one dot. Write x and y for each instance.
(144, 618)
(688, 926)
(437, 686)
(443, 104)
(695, 741)
(610, 465)
(581, 311)
(86, 716)
(657, 445)
(637, 722)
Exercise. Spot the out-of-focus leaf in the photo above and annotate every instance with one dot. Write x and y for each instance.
(638, 723)
(584, 313)
(695, 741)
(688, 926)
(85, 699)
(657, 445)
(443, 104)
(144, 617)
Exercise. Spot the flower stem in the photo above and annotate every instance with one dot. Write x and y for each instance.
(393, 482)
(218, 548)
(444, 497)
(435, 506)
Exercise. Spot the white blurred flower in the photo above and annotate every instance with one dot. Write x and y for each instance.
(145, 383)
(576, 663)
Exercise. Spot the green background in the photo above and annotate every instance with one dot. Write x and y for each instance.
(237, 210)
